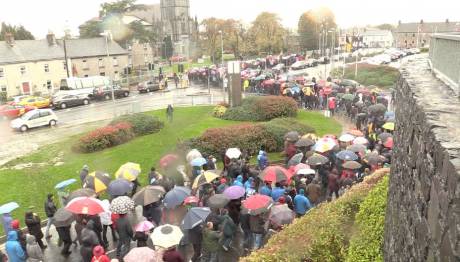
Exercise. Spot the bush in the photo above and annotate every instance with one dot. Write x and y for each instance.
(142, 124)
(105, 137)
(3, 97)
(219, 111)
(367, 244)
(278, 127)
(262, 108)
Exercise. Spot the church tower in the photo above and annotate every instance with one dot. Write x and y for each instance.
(175, 16)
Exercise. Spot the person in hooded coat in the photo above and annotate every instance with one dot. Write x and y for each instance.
(34, 252)
(301, 203)
(14, 249)
(262, 160)
(99, 255)
(50, 210)
(238, 181)
(33, 223)
(89, 240)
(66, 238)
(83, 173)
(21, 236)
(125, 234)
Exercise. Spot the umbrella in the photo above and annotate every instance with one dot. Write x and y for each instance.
(377, 108)
(389, 126)
(121, 205)
(65, 183)
(119, 187)
(304, 142)
(234, 192)
(233, 153)
(176, 196)
(194, 153)
(281, 215)
(141, 254)
(348, 97)
(351, 165)
(347, 155)
(384, 136)
(82, 192)
(295, 159)
(198, 161)
(98, 181)
(274, 174)
(295, 89)
(317, 159)
(168, 160)
(191, 199)
(63, 218)
(292, 136)
(205, 178)
(327, 90)
(129, 171)
(357, 148)
(325, 144)
(195, 216)
(374, 158)
(257, 204)
(389, 116)
(218, 201)
(166, 236)
(85, 206)
(310, 136)
(361, 141)
(306, 171)
(363, 91)
(346, 138)
(149, 195)
(355, 132)
(144, 226)
(294, 169)
(388, 143)
(8, 207)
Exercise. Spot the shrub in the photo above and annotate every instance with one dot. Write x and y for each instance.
(104, 137)
(142, 124)
(3, 97)
(219, 111)
(278, 127)
(262, 108)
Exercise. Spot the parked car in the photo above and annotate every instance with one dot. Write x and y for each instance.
(299, 65)
(66, 101)
(349, 82)
(148, 86)
(106, 92)
(34, 118)
(324, 60)
(13, 111)
(312, 62)
(38, 102)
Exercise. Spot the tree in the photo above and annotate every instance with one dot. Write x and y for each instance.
(18, 32)
(313, 24)
(386, 27)
(267, 33)
(210, 37)
(90, 29)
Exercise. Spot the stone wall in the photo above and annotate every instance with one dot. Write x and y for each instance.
(423, 211)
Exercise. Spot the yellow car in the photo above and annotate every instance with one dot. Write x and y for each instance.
(38, 102)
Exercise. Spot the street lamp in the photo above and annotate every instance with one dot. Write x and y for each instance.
(222, 59)
(107, 34)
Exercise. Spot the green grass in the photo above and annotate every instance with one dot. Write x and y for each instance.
(29, 187)
(379, 75)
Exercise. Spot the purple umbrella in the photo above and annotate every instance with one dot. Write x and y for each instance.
(234, 192)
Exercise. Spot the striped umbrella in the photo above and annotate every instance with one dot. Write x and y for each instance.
(274, 174)
(205, 178)
(129, 171)
(97, 181)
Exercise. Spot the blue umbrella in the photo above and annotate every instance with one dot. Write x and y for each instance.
(8, 207)
(176, 196)
(295, 89)
(389, 116)
(65, 183)
(347, 155)
(195, 216)
(198, 161)
(119, 187)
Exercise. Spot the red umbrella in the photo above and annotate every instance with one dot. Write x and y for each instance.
(355, 132)
(269, 82)
(388, 143)
(257, 204)
(191, 199)
(294, 169)
(274, 174)
(85, 206)
(168, 160)
(364, 91)
(327, 90)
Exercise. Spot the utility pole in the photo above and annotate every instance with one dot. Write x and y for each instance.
(107, 34)
(222, 59)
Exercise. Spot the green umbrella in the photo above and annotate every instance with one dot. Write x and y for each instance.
(349, 97)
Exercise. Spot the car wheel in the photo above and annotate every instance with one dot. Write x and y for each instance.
(52, 122)
(126, 94)
(86, 102)
(63, 106)
(107, 97)
(23, 128)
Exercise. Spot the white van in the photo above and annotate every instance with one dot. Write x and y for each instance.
(81, 86)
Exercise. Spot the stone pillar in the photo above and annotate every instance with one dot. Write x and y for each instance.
(234, 84)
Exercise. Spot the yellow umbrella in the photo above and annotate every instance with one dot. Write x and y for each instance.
(206, 177)
(389, 126)
(98, 181)
(129, 171)
(310, 136)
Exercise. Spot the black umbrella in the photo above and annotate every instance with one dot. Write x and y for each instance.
(176, 196)
(295, 159)
(195, 216)
(317, 160)
(82, 192)
(119, 187)
(357, 148)
(63, 218)
(377, 108)
(304, 142)
(292, 136)
(351, 165)
(374, 158)
(384, 136)
(218, 201)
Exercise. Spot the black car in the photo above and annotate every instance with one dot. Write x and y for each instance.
(69, 101)
(148, 86)
(105, 93)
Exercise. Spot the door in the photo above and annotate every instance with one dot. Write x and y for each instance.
(34, 120)
(26, 88)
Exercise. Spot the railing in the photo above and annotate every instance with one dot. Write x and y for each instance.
(445, 58)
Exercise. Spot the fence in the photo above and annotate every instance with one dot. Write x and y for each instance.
(445, 58)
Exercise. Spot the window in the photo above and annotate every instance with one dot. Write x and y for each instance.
(44, 113)
(23, 70)
(35, 116)
(100, 62)
(115, 61)
(86, 75)
(413, 35)
(116, 72)
(48, 84)
(47, 68)
(145, 46)
(2, 73)
(65, 65)
(3, 88)
(102, 74)
(85, 64)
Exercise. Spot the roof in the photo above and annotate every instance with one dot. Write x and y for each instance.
(29, 50)
(150, 14)
(428, 27)
(89, 47)
(376, 33)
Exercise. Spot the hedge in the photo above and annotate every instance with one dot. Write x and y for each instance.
(104, 137)
(367, 243)
(262, 108)
(142, 124)
(324, 233)
(278, 127)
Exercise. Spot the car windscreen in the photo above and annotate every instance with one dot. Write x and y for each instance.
(29, 114)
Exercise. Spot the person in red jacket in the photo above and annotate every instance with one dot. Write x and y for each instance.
(99, 255)
(331, 105)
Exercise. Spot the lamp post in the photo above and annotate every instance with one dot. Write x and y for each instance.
(222, 61)
(107, 34)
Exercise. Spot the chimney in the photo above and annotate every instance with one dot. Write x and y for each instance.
(399, 22)
(51, 38)
(447, 20)
(421, 21)
(9, 38)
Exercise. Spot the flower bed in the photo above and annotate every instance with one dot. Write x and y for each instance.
(263, 108)
(142, 124)
(104, 137)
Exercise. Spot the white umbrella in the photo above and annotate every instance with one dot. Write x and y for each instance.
(306, 171)
(233, 153)
(166, 236)
(360, 141)
(346, 138)
(194, 153)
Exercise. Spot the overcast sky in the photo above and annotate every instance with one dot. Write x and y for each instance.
(39, 16)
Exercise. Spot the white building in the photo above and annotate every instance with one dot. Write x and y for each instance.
(377, 38)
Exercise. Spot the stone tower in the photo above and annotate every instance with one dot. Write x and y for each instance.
(175, 16)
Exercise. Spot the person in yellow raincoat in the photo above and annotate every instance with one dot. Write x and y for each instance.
(245, 85)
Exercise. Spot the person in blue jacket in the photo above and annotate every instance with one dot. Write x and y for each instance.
(238, 181)
(14, 249)
(277, 191)
(262, 159)
(248, 183)
(301, 203)
(266, 189)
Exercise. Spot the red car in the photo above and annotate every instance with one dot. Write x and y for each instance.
(12, 111)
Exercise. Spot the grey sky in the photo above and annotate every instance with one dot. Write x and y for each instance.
(39, 16)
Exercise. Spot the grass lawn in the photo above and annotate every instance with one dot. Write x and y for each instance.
(29, 187)
(379, 75)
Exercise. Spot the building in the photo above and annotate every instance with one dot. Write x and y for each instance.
(376, 38)
(89, 57)
(31, 66)
(410, 35)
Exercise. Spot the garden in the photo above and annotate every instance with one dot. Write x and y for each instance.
(378, 75)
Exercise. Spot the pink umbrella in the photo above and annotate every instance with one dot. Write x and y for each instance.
(144, 226)
(143, 254)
